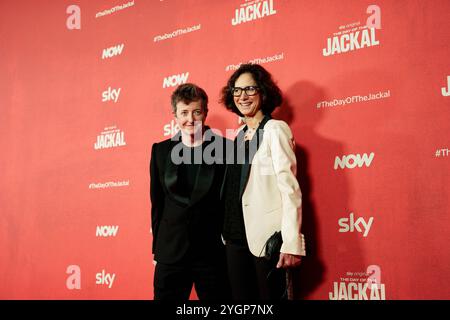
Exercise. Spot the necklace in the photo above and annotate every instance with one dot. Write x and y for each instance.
(250, 132)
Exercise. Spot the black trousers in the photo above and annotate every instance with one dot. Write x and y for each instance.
(253, 278)
(174, 282)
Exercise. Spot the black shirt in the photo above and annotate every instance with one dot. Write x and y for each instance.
(234, 227)
(188, 170)
(244, 151)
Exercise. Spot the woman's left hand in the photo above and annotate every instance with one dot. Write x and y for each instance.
(288, 260)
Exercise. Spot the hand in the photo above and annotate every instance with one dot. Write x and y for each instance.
(288, 260)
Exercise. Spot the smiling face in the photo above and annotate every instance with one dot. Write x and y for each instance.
(247, 105)
(190, 117)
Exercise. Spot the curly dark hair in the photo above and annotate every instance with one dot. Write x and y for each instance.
(271, 96)
(188, 93)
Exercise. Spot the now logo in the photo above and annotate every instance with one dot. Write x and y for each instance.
(106, 231)
(352, 160)
(112, 51)
(175, 80)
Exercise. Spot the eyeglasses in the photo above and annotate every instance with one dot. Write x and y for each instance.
(249, 91)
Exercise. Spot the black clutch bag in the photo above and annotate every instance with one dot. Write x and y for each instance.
(273, 246)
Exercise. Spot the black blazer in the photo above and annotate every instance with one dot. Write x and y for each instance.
(182, 225)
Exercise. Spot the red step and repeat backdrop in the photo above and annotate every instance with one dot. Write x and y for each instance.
(84, 93)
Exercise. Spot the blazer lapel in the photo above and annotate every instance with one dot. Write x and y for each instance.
(205, 177)
(256, 141)
(171, 175)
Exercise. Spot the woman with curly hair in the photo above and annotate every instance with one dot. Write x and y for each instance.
(261, 193)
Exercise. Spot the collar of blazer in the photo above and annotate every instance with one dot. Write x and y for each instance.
(202, 184)
(257, 139)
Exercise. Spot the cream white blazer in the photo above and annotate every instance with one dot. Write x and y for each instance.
(272, 198)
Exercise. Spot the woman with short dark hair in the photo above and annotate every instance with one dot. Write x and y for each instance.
(187, 212)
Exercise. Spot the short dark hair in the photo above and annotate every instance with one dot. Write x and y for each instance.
(188, 93)
(271, 96)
